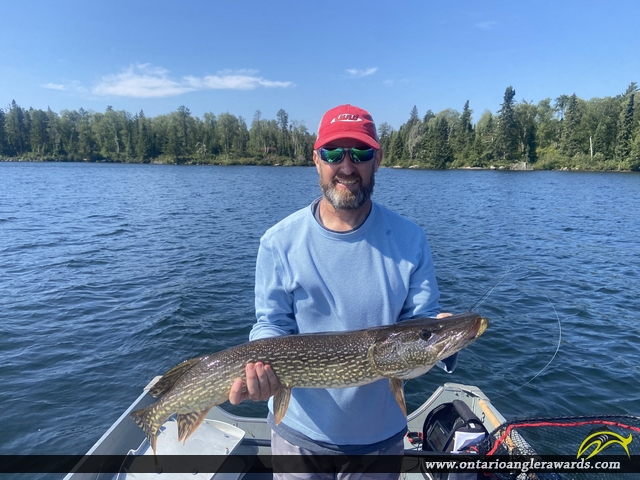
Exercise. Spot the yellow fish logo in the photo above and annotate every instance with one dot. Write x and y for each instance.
(602, 440)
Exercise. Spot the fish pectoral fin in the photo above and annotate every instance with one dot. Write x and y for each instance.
(398, 393)
(189, 422)
(281, 403)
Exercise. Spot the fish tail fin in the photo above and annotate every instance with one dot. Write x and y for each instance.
(150, 419)
(170, 378)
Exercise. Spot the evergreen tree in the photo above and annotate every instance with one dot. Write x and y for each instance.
(210, 133)
(53, 132)
(632, 88)
(634, 155)
(257, 144)
(463, 138)
(570, 140)
(228, 129)
(526, 114)
(413, 116)
(483, 145)
(39, 135)
(623, 147)
(184, 123)
(283, 125)
(16, 126)
(384, 137)
(437, 151)
(68, 134)
(4, 150)
(561, 104)
(173, 144)
(507, 139)
(242, 138)
(129, 134)
(143, 140)
(428, 116)
(397, 148)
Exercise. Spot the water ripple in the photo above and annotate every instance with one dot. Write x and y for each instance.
(111, 274)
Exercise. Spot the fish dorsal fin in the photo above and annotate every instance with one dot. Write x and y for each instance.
(170, 378)
(281, 403)
(398, 393)
(189, 422)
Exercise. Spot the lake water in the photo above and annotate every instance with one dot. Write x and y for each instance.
(111, 274)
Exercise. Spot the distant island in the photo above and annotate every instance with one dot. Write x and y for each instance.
(600, 134)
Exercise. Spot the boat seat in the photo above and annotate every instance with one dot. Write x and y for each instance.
(211, 438)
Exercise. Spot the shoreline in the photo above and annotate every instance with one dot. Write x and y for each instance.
(500, 168)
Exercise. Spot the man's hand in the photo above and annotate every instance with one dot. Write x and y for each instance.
(262, 383)
(444, 315)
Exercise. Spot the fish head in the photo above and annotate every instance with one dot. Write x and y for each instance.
(412, 347)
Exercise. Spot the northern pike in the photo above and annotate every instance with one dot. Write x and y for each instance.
(398, 352)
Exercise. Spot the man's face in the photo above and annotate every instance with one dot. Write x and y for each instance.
(347, 185)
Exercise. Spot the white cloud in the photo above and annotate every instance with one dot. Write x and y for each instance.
(392, 82)
(141, 81)
(242, 71)
(362, 73)
(54, 86)
(485, 25)
(73, 87)
(233, 82)
(147, 81)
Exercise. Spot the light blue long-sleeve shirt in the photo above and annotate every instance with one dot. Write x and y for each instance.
(310, 279)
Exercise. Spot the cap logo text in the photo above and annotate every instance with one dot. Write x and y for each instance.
(347, 117)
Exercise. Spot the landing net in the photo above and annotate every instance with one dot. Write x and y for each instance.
(567, 448)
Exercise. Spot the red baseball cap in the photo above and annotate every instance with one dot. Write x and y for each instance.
(347, 121)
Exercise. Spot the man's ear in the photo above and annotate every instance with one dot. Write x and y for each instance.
(378, 160)
(316, 160)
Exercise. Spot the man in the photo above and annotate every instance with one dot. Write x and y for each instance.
(343, 263)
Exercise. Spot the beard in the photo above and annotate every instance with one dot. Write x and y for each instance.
(344, 199)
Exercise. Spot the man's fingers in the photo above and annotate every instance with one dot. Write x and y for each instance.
(253, 385)
(263, 381)
(274, 383)
(444, 314)
(236, 394)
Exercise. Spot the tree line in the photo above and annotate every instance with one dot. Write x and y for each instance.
(178, 137)
(568, 132)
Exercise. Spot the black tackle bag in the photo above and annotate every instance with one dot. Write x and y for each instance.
(444, 421)
(439, 434)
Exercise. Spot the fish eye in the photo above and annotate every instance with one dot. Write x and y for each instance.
(425, 334)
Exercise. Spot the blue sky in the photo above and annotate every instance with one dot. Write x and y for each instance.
(239, 56)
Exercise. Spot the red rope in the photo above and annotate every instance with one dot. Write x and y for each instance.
(507, 432)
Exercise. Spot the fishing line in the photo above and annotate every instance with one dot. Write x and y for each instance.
(548, 363)
(484, 297)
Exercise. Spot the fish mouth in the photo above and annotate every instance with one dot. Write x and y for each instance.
(478, 328)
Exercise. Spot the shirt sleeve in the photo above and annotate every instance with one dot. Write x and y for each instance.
(273, 301)
(423, 296)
